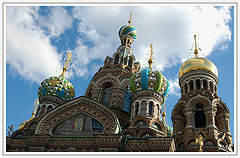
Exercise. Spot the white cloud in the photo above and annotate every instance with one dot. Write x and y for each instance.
(29, 50)
(57, 21)
(169, 29)
(174, 87)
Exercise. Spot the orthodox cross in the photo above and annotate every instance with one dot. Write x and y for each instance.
(196, 47)
(130, 20)
(68, 61)
(199, 141)
(10, 130)
(150, 61)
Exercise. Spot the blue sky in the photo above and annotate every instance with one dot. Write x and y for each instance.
(37, 39)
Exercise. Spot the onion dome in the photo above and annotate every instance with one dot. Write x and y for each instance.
(149, 80)
(57, 86)
(128, 30)
(197, 63)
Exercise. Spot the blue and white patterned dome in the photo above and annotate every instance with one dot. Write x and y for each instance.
(128, 30)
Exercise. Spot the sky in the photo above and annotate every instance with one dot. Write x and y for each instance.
(38, 37)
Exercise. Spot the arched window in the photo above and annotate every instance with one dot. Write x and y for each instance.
(130, 62)
(200, 118)
(205, 84)
(198, 83)
(116, 59)
(211, 86)
(107, 91)
(127, 101)
(191, 85)
(186, 87)
(49, 108)
(150, 108)
(136, 108)
(125, 61)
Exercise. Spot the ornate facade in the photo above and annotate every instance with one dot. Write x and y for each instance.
(123, 109)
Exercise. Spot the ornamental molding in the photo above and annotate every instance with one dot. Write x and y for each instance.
(108, 78)
(196, 74)
(79, 105)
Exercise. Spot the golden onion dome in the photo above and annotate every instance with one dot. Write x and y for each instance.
(197, 63)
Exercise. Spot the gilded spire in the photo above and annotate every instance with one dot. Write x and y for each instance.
(150, 61)
(130, 20)
(68, 61)
(196, 46)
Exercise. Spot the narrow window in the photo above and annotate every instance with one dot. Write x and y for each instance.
(200, 119)
(127, 101)
(136, 108)
(130, 62)
(205, 84)
(198, 83)
(107, 91)
(191, 85)
(150, 108)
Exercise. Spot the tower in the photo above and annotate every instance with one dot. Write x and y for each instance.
(200, 111)
(149, 90)
(109, 85)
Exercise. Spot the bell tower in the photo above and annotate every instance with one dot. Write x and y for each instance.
(200, 111)
(109, 85)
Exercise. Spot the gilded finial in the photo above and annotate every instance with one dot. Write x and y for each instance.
(10, 128)
(130, 20)
(199, 141)
(68, 61)
(150, 61)
(196, 47)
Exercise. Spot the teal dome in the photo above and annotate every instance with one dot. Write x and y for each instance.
(128, 30)
(57, 86)
(149, 80)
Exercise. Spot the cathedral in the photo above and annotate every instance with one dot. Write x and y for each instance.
(123, 109)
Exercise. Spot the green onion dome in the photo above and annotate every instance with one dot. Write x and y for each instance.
(57, 86)
(149, 80)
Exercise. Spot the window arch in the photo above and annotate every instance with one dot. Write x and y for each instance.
(200, 118)
(127, 101)
(136, 108)
(130, 62)
(150, 108)
(211, 86)
(107, 91)
(116, 59)
(205, 84)
(49, 108)
(125, 61)
(198, 83)
(191, 85)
